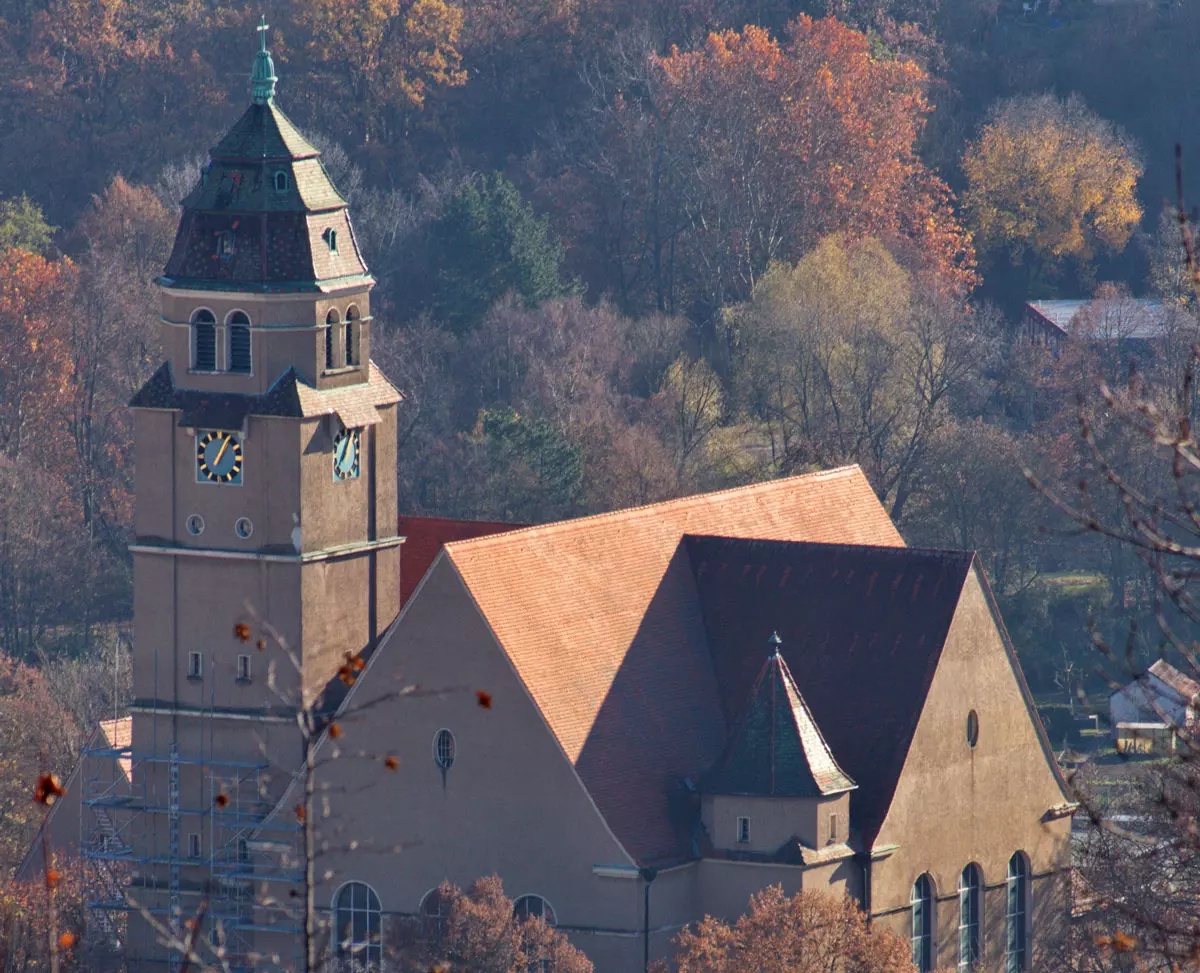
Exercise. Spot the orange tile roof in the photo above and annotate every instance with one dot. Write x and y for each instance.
(593, 611)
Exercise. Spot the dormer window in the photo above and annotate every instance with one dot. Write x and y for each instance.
(281, 182)
(330, 238)
(225, 243)
(743, 831)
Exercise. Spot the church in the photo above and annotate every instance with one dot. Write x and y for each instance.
(635, 719)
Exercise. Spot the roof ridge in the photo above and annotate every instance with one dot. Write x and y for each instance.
(763, 486)
(789, 682)
(887, 549)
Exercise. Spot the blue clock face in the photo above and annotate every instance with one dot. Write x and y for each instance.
(219, 457)
(345, 454)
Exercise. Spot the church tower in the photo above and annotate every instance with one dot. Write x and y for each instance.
(266, 502)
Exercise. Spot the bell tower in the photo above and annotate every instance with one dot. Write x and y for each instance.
(266, 499)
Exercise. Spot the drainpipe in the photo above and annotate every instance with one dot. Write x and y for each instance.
(648, 876)
(865, 858)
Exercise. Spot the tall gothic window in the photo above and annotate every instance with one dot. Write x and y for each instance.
(204, 342)
(357, 937)
(969, 909)
(352, 335)
(239, 343)
(1016, 915)
(922, 923)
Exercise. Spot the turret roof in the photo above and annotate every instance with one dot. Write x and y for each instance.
(776, 748)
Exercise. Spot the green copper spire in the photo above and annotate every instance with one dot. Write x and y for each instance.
(262, 76)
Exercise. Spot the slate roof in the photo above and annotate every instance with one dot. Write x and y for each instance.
(291, 396)
(862, 628)
(1185, 686)
(601, 619)
(776, 749)
(278, 231)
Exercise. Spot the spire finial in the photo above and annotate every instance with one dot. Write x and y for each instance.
(773, 643)
(262, 75)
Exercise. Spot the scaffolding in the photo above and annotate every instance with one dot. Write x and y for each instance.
(244, 885)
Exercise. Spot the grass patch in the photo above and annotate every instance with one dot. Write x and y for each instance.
(1075, 583)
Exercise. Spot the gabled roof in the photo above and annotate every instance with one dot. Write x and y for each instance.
(601, 620)
(776, 749)
(1132, 318)
(862, 628)
(1185, 686)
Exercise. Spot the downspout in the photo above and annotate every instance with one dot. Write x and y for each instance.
(865, 858)
(648, 876)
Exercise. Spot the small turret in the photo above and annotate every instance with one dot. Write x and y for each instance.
(262, 75)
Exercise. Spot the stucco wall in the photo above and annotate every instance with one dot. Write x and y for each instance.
(955, 804)
(773, 820)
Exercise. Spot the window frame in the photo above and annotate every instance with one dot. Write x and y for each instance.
(1016, 914)
(833, 828)
(743, 830)
(922, 940)
(195, 846)
(281, 181)
(195, 669)
(970, 918)
(331, 239)
(239, 320)
(444, 761)
(203, 317)
(226, 243)
(353, 949)
(243, 669)
(548, 913)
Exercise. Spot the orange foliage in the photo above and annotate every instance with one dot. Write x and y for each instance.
(34, 362)
(791, 142)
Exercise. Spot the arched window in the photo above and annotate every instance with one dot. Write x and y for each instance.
(1017, 913)
(969, 917)
(330, 236)
(528, 906)
(352, 335)
(204, 341)
(239, 342)
(443, 749)
(281, 182)
(356, 927)
(331, 322)
(434, 906)
(922, 924)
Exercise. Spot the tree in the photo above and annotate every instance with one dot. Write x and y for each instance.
(1049, 180)
(714, 163)
(488, 243)
(810, 932)
(840, 363)
(23, 227)
(478, 932)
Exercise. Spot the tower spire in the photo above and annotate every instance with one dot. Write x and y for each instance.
(262, 75)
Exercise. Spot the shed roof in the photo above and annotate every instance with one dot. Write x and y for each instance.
(1187, 687)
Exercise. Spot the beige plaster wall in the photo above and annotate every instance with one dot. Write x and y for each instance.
(773, 820)
(955, 805)
(511, 804)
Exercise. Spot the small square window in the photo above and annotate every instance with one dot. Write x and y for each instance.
(193, 845)
(743, 831)
(243, 668)
(225, 243)
(195, 665)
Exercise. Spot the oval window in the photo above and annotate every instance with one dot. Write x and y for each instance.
(195, 525)
(443, 749)
(972, 728)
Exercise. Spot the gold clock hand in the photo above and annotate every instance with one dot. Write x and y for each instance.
(221, 451)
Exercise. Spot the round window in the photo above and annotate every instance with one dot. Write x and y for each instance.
(443, 749)
(243, 528)
(195, 525)
(972, 728)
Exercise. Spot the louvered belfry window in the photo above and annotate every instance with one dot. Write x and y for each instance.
(204, 328)
(239, 343)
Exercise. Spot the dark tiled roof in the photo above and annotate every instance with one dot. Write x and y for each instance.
(263, 132)
(776, 750)
(862, 629)
(290, 396)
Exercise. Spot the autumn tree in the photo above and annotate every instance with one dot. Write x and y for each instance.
(810, 932)
(1049, 180)
(717, 162)
(477, 931)
(841, 359)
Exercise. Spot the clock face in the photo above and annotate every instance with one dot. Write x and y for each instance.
(219, 457)
(345, 454)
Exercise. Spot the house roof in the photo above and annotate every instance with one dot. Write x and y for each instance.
(424, 537)
(776, 749)
(1133, 318)
(601, 619)
(1187, 687)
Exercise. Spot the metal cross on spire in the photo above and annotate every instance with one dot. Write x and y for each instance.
(262, 76)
